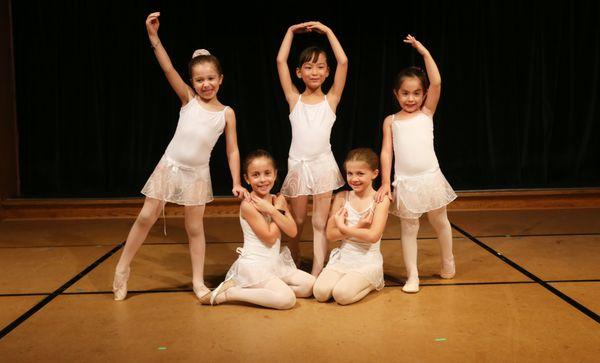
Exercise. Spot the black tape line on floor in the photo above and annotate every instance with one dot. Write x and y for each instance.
(25, 294)
(522, 270)
(10, 327)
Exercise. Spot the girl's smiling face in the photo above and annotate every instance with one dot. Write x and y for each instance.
(261, 175)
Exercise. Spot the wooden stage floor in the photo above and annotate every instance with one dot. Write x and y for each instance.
(527, 289)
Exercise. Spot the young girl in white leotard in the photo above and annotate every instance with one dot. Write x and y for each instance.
(312, 169)
(419, 185)
(264, 274)
(356, 267)
(182, 175)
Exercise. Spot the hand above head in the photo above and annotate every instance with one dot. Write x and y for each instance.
(261, 205)
(383, 191)
(240, 192)
(152, 23)
(317, 26)
(299, 28)
(415, 44)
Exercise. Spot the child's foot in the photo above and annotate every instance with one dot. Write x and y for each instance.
(411, 285)
(120, 284)
(448, 268)
(203, 294)
(218, 295)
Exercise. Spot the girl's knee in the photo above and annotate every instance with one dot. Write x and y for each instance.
(146, 218)
(319, 223)
(194, 229)
(321, 292)
(343, 296)
(286, 301)
(410, 225)
(299, 220)
(439, 221)
(306, 289)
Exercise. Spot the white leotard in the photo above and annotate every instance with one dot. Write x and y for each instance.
(197, 132)
(311, 129)
(413, 146)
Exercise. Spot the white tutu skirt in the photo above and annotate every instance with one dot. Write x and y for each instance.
(253, 268)
(177, 183)
(367, 263)
(318, 175)
(416, 195)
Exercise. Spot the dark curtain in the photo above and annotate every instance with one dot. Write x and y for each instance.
(518, 107)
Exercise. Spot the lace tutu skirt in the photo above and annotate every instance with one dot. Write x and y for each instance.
(177, 183)
(418, 194)
(255, 267)
(312, 176)
(348, 258)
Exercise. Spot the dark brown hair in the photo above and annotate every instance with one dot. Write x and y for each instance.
(260, 153)
(205, 58)
(310, 54)
(409, 72)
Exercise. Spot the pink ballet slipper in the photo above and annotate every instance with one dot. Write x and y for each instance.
(223, 286)
(448, 269)
(411, 286)
(120, 284)
(203, 294)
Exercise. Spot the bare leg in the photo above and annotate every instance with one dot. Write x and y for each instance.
(439, 220)
(274, 294)
(323, 289)
(301, 283)
(299, 207)
(410, 229)
(194, 226)
(351, 288)
(321, 204)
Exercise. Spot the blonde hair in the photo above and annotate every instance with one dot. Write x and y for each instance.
(365, 155)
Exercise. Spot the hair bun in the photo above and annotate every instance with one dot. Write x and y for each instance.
(199, 52)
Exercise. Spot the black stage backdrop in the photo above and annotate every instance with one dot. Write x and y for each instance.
(519, 106)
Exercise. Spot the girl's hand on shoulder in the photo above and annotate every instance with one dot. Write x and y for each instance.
(415, 44)
(280, 202)
(240, 192)
(261, 205)
(340, 218)
(366, 221)
(152, 23)
(383, 191)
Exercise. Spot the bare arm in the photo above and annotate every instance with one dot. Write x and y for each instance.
(290, 91)
(373, 232)
(268, 233)
(184, 92)
(433, 73)
(233, 154)
(387, 154)
(341, 70)
(285, 221)
(332, 231)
